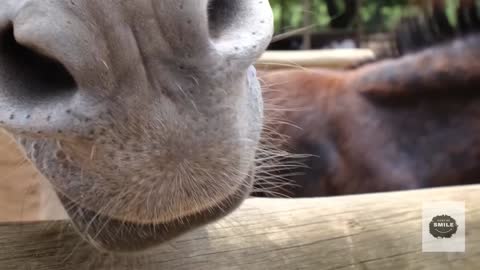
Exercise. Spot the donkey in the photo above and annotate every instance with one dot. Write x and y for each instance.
(403, 123)
(144, 116)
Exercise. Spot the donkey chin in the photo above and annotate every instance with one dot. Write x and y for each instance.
(144, 116)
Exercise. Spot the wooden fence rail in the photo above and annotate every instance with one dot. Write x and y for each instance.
(334, 58)
(374, 231)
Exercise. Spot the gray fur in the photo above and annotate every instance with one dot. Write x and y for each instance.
(163, 118)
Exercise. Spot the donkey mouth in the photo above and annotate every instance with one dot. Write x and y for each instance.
(114, 235)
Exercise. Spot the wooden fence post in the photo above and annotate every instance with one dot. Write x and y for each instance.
(307, 21)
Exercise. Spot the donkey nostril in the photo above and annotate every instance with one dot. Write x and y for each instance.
(220, 15)
(29, 75)
(240, 28)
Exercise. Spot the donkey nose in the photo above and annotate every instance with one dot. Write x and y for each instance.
(28, 75)
(30, 80)
(241, 30)
(218, 32)
(40, 62)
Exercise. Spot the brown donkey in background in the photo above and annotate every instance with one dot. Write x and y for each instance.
(403, 123)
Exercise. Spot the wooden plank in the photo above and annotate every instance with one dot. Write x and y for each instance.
(25, 195)
(19, 183)
(375, 231)
(334, 58)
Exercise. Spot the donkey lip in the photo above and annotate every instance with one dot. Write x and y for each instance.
(118, 236)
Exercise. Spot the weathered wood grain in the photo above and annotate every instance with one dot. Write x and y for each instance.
(19, 183)
(376, 231)
(25, 195)
(325, 58)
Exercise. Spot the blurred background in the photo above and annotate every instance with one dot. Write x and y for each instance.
(336, 24)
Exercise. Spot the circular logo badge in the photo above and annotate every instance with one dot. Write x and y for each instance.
(443, 226)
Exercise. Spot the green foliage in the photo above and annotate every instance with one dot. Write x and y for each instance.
(375, 15)
(293, 14)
